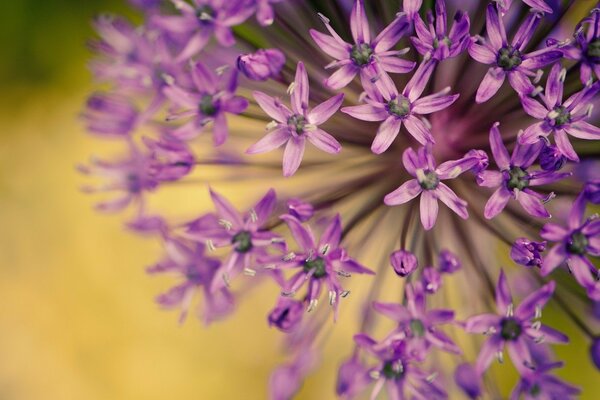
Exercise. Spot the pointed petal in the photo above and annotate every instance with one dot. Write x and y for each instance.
(490, 84)
(449, 198)
(225, 210)
(532, 204)
(366, 112)
(418, 130)
(272, 107)
(428, 209)
(270, 141)
(497, 202)
(386, 134)
(406, 192)
(292, 155)
(323, 141)
(498, 149)
(325, 110)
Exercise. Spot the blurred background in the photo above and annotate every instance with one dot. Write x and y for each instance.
(77, 317)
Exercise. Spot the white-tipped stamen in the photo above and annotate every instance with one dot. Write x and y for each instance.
(500, 357)
(253, 216)
(272, 125)
(431, 377)
(226, 279)
(291, 88)
(344, 293)
(289, 256)
(510, 310)
(332, 297)
(375, 374)
(226, 224)
(343, 273)
(210, 245)
(312, 305)
(249, 271)
(325, 249)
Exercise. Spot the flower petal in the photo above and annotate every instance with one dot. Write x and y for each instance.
(323, 141)
(428, 209)
(406, 192)
(386, 134)
(497, 202)
(498, 149)
(532, 204)
(272, 107)
(490, 84)
(366, 112)
(292, 155)
(270, 141)
(449, 198)
(325, 110)
(300, 90)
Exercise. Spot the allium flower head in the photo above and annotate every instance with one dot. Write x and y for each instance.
(293, 127)
(365, 56)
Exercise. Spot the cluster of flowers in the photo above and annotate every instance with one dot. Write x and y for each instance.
(161, 80)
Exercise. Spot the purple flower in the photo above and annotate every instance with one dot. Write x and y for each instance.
(261, 65)
(265, 15)
(352, 378)
(293, 127)
(384, 103)
(431, 280)
(539, 384)
(411, 8)
(212, 97)
(110, 114)
(595, 352)
(586, 48)
(591, 191)
(448, 262)
(527, 252)
(201, 19)
(467, 379)
(197, 272)
(580, 238)
(508, 60)
(364, 54)
(170, 160)
(537, 5)
(434, 40)
(428, 184)
(558, 117)
(404, 262)
(551, 158)
(396, 370)
(287, 314)
(513, 180)
(245, 233)
(418, 326)
(299, 209)
(513, 327)
(320, 264)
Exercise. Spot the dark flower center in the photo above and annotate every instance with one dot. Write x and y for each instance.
(207, 105)
(194, 275)
(297, 122)
(134, 183)
(399, 107)
(445, 40)
(361, 54)
(578, 243)
(535, 390)
(242, 241)
(205, 14)
(429, 181)
(563, 117)
(317, 265)
(518, 178)
(508, 58)
(392, 370)
(510, 329)
(593, 50)
(417, 328)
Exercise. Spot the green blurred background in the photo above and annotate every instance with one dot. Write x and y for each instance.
(77, 320)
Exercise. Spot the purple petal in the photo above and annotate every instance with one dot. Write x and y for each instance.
(406, 192)
(482, 53)
(272, 107)
(220, 130)
(225, 210)
(494, 27)
(565, 147)
(532, 204)
(553, 232)
(534, 132)
(554, 86)
(323, 141)
(366, 112)
(270, 141)
(410, 159)
(302, 235)
(539, 59)
(395, 311)
(482, 323)
(503, 297)
(332, 234)
(549, 335)
(538, 299)
(582, 269)
(520, 355)
(415, 86)
(498, 149)
(418, 130)
(525, 31)
(525, 154)
(490, 84)
(497, 202)
(395, 64)
(264, 207)
(359, 24)
(553, 259)
(490, 178)
(204, 80)
(342, 77)
(300, 92)
(329, 45)
(449, 198)
(292, 155)
(325, 110)
(433, 103)
(488, 352)
(520, 82)
(533, 108)
(428, 209)
(391, 34)
(583, 130)
(386, 134)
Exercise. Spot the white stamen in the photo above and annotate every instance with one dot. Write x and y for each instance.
(562, 75)
(249, 272)
(210, 245)
(312, 305)
(169, 80)
(323, 18)
(289, 256)
(536, 91)
(553, 114)
(253, 216)
(431, 377)
(272, 125)
(204, 16)
(510, 310)
(325, 249)
(536, 325)
(500, 357)
(226, 224)
(345, 293)
(221, 70)
(538, 76)
(332, 297)
(226, 279)
(343, 273)
(291, 88)
(375, 374)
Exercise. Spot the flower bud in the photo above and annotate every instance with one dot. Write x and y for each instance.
(551, 159)
(301, 210)
(449, 263)
(431, 279)
(526, 252)
(592, 191)
(262, 65)
(287, 314)
(403, 262)
(482, 160)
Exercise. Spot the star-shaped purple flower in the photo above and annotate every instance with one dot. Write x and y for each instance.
(558, 117)
(434, 39)
(513, 327)
(579, 239)
(540, 384)
(212, 97)
(428, 184)
(293, 127)
(508, 60)
(586, 48)
(384, 103)
(364, 53)
(513, 180)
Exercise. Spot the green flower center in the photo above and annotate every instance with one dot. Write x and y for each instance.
(509, 58)
(297, 122)
(578, 243)
(317, 265)
(593, 50)
(563, 117)
(361, 54)
(399, 107)
(417, 328)
(518, 178)
(207, 105)
(510, 329)
(535, 390)
(446, 40)
(205, 14)
(242, 241)
(429, 181)
(392, 370)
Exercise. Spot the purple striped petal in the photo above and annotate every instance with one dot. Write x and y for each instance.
(490, 84)
(325, 110)
(359, 24)
(386, 134)
(553, 259)
(534, 132)
(564, 145)
(525, 31)
(520, 355)
(428, 209)
(342, 77)
(497, 202)
(332, 234)
(553, 232)
(366, 112)
(494, 27)
(220, 130)
(538, 299)
(498, 149)
(395, 64)
(490, 178)
(532, 204)
(272, 107)
(582, 269)
(503, 296)
(583, 130)
(395, 311)
(433, 103)
(204, 80)
(302, 235)
(225, 210)
(487, 353)
(481, 323)
(533, 107)
(270, 141)
(520, 82)
(329, 45)
(391, 34)
(418, 130)
(410, 160)
(300, 91)
(406, 192)
(417, 83)
(481, 53)
(554, 86)
(449, 198)
(525, 154)
(540, 59)
(264, 207)
(292, 155)
(324, 141)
